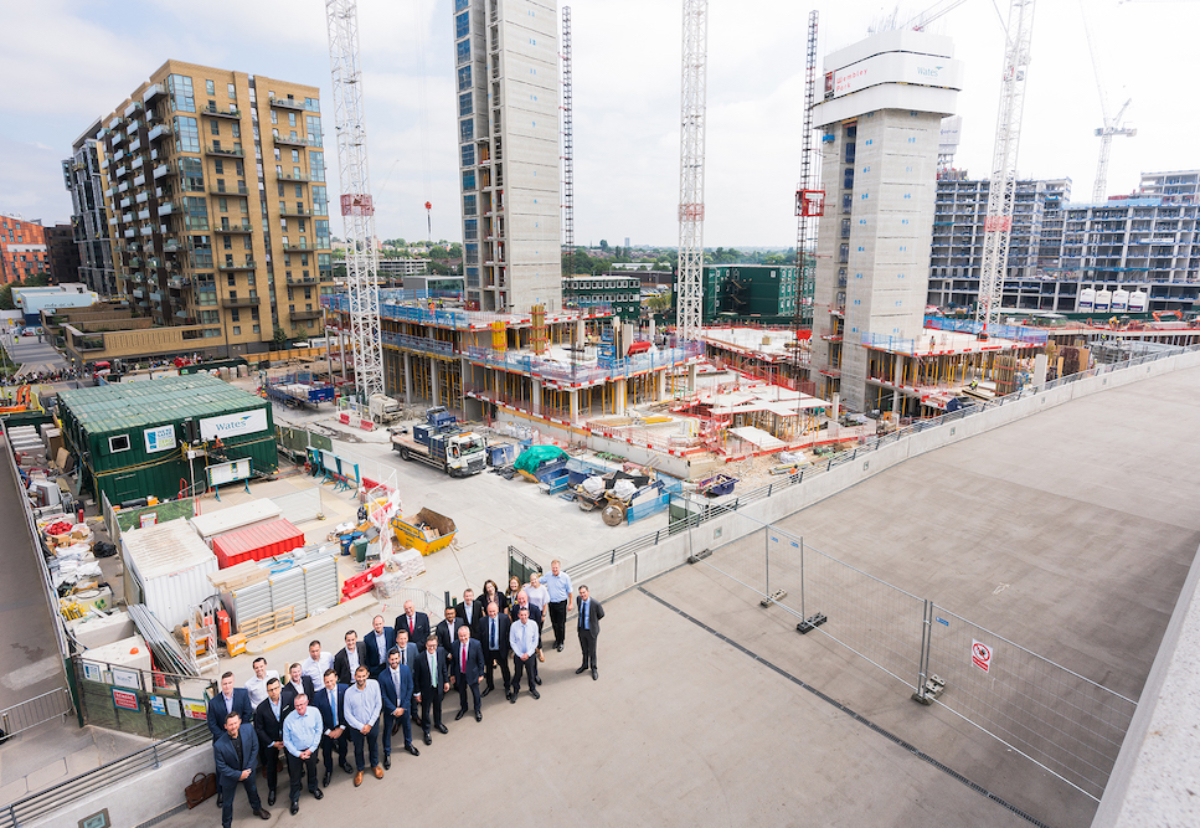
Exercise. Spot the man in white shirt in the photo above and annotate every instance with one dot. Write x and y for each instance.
(363, 706)
(524, 641)
(257, 686)
(316, 664)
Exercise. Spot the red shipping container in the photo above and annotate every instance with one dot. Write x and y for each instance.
(264, 540)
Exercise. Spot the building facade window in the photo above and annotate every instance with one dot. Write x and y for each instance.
(180, 89)
(187, 134)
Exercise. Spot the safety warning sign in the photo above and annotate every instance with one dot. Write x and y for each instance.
(981, 655)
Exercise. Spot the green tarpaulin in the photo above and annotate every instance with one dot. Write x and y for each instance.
(534, 456)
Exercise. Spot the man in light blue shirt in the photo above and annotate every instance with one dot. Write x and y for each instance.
(301, 735)
(558, 584)
(363, 706)
(523, 638)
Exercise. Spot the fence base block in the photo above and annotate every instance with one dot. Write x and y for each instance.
(807, 626)
(932, 689)
(777, 595)
(699, 556)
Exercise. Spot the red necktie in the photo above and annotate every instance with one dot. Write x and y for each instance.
(464, 659)
(412, 628)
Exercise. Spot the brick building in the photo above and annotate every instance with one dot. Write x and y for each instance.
(22, 249)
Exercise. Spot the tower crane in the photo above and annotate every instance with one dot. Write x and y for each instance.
(810, 201)
(568, 146)
(997, 226)
(1112, 126)
(691, 169)
(358, 210)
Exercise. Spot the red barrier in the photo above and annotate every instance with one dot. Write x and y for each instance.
(361, 583)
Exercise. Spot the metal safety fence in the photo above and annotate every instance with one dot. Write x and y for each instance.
(1066, 723)
(41, 804)
(301, 506)
(32, 712)
(142, 702)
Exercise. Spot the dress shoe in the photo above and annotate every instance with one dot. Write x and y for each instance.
(378, 772)
(441, 728)
(558, 647)
(595, 675)
(318, 793)
(325, 779)
(428, 740)
(262, 813)
(537, 679)
(411, 748)
(541, 657)
(534, 693)
(387, 761)
(512, 699)
(346, 767)
(295, 809)
(581, 670)
(508, 695)
(478, 716)
(358, 779)
(270, 797)
(486, 690)
(459, 715)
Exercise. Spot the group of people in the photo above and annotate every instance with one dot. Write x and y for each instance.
(382, 685)
(34, 377)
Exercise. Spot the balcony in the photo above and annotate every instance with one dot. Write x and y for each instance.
(302, 280)
(159, 131)
(298, 248)
(129, 234)
(213, 189)
(132, 108)
(138, 293)
(156, 297)
(126, 202)
(289, 141)
(225, 151)
(138, 162)
(148, 230)
(118, 155)
(179, 282)
(232, 114)
(140, 180)
(236, 266)
(244, 227)
(290, 177)
(240, 302)
(144, 215)
(300, 316)
(152, 92)
(135, 145)
(127, 218)
(121, 170)
(287, 103)
(142, 198)
(165, 208)
(297, 211)
(161, 170)
(135, 262)
(172, 245)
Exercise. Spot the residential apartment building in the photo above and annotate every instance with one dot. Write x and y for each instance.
(621, 293)
(1035, 250)
(23, 251)
(394, 269)
(214, 183)
(506, 58)
(881, 116)
(63, 253)
(89, 213)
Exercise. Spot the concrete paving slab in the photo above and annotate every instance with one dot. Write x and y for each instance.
(46, 775)
(681, 729)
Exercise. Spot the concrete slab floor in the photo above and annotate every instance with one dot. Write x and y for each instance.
(685, 731)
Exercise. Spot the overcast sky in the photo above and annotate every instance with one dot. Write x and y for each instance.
(66, 63)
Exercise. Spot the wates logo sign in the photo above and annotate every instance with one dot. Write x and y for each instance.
(237, 426)
(928, 72)
(233, 425)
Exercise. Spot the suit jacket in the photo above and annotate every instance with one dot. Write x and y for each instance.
(387, 690)
(230, 762)
(332, 718)
(217, 712)
(535, 614)
(420, 630)
(501, 602)
(288, 696)
(376, 661)
(595, 613)
(447, 637)
(424, 681)
(411, 652)
(268, 728)
(503, 625)
(341, 661)
(475, 665)
(460, 612)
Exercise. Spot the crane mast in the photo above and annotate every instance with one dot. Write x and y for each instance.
(691, 170)
(568, 157)
(1002, 191)
(804, 195)
(358, 210)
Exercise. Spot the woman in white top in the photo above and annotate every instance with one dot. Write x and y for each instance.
(539, 597)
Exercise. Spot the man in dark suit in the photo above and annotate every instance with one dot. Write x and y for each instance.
(466, 670)
(447, 632)
(331, 701)
(431, 683)
(297, 684)
(236, 755)
(493, 635)
(379, 641)
(590, 613)
(230, 700)
(468, 610)
(409, 653)
(349, 657)
(396, 688)
(268, 724)
(416, 623)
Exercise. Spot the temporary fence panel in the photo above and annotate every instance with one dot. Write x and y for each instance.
(321, 583)
(142, 702)
(35, 711)
(521, 566)
(301, 506)
(288, 589)
(1067, 724)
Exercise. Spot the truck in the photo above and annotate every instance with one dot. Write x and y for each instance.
(384, 409)
(441, 443)
(296, 393)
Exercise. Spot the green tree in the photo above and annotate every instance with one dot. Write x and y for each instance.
(279, 339)
(604, 245)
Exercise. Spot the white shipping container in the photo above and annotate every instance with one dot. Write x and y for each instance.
(209, 525)
(168, 565)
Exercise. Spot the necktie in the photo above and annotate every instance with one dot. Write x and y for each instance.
(493, 633)
(396, 681)
(433, 676)
(464, 659)
(404, 660)
(412, 626)
(583, 615)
